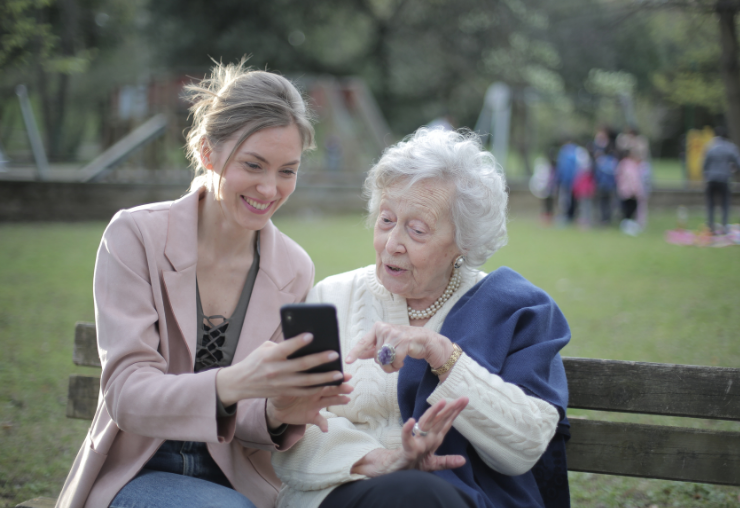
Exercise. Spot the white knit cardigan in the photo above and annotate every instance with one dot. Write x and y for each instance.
(509, 429)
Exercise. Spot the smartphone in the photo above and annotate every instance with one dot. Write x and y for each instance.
(319, 319)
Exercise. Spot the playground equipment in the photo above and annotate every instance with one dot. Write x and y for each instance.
(120, 151)
(495, 119)
(42, 164)
(351, 133)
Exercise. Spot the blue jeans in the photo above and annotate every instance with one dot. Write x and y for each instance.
(181, 474)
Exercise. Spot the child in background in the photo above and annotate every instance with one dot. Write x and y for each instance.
(630, 190)
(606, 183)
(543, 186)
(584, 187)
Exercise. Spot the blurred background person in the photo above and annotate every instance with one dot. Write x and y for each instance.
(631, 142)
(629, 190)
(565, 173)
(584, 187)
(602, 139)
(605, 166)
(543, 186)
(721, 159)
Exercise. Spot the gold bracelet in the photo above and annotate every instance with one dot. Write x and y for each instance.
(456, 352)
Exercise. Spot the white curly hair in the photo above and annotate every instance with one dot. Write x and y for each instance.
(480, 200)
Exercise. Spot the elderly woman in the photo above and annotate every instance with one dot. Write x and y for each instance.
(468, 361)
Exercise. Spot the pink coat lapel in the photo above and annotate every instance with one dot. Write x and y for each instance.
(269, 293)
(181, 250)
(270, 287)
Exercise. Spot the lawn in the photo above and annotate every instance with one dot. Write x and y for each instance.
(625, 298)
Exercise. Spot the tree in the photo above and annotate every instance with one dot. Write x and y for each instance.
(21, 36)
(421, 58)
(48, 44)
(726, 12)
(31, 42)
(689, 74)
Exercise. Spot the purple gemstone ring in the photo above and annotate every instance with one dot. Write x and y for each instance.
(386, 354)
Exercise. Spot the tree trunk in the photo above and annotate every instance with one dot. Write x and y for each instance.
(729, 67)
(382, 58)
(53, 86)
(70, 16)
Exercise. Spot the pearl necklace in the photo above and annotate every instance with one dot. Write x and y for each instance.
(432, 309)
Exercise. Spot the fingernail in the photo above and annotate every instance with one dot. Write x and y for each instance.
(307, 337)
(338, 376)
(333, 355)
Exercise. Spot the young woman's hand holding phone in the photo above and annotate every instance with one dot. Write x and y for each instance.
(278, 372)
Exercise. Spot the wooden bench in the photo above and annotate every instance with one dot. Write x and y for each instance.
(625, 449)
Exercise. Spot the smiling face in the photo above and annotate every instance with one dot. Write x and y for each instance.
(260, 176)
(414, 240)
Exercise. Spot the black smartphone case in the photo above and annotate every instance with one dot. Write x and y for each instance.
(319, 319)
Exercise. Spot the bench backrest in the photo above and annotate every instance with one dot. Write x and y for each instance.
(626, 449)
(654, 451)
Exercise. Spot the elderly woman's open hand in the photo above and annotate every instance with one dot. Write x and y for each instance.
(419, 444)
(413, 341)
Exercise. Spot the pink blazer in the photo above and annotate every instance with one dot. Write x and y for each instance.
(145, 313)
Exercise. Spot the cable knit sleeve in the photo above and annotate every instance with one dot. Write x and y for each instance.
(509, 429)
(321, 460)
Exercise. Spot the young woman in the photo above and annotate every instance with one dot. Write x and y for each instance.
(196, 388)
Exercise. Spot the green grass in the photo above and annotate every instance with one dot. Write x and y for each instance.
(668, 173)
(45, 286)
(625, 298)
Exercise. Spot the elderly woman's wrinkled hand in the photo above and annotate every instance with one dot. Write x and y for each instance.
(419, 444)
(413, 341)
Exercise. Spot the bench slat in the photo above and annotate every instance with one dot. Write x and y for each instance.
(654, 451)
(654, 388)
(86, 346)
(82, 396)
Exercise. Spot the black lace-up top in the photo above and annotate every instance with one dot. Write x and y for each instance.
(218, 336)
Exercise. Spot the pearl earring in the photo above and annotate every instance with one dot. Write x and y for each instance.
(459, 262)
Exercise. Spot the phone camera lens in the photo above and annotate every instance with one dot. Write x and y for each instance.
(289, 318)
